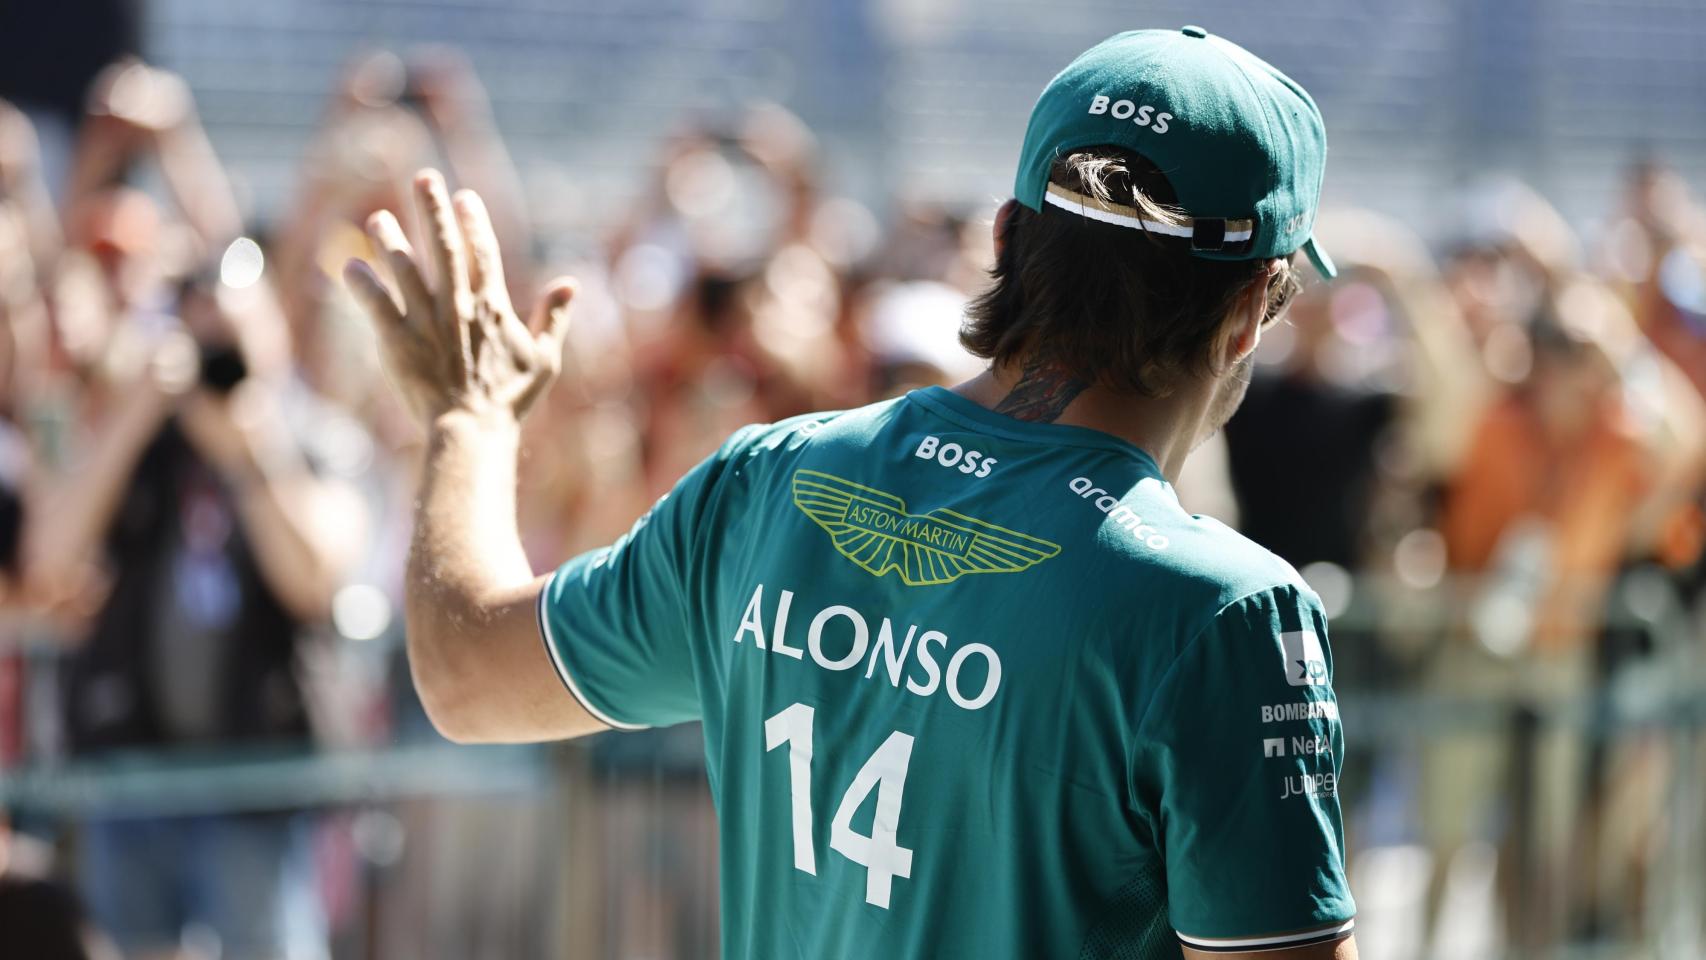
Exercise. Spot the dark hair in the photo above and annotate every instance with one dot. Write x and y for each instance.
(1118, 306)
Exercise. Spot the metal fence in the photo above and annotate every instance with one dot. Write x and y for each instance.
(606, 848)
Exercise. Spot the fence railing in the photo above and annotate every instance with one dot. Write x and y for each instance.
(623, 838)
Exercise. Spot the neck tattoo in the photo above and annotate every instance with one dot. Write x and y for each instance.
(1043, 392)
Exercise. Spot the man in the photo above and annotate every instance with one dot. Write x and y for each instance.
(972, 683)
(224, 528)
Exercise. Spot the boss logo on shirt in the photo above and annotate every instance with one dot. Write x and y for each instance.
(1305, 664)
(951, 454)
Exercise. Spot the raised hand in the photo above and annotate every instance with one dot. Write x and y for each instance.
(457, 344)
(144, 99)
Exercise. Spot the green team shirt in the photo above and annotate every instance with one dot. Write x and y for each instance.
(973, 687)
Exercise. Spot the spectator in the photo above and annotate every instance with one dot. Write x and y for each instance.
(200, 500)
(201, 497)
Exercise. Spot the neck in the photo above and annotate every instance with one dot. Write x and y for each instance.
(1166, 428)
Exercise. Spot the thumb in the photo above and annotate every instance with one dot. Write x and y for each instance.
(552, 319)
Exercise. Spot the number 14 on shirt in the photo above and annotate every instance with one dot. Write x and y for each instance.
(885, 771)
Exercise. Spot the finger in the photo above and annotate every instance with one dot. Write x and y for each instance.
(387, 235)
(497, 322)
(551, 319)
(444, 239)
(372, 293)
(485, 265)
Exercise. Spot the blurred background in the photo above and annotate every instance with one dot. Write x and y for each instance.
(1484, 446)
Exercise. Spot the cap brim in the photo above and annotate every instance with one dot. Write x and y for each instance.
(1317, 256)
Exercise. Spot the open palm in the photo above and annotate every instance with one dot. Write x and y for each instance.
(457, 344)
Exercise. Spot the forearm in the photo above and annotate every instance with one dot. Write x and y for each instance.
(41, 221)
(466, 563)
(73, 512)
(294, 248)
(301, 529)
(199, 185)
(471, 369)
(96, 159)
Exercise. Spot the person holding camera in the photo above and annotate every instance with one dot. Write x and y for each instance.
(201, 505)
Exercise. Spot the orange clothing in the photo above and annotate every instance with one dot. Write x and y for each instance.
(1584, 492)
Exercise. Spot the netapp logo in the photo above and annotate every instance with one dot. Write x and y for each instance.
(1139, 114)
(1300, 747)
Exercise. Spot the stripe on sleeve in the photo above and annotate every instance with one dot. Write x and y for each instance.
(563, 669)
(1298, 938)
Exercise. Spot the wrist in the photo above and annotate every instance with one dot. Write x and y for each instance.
(495, 423)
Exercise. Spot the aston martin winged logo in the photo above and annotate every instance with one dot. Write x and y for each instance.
(873, 529)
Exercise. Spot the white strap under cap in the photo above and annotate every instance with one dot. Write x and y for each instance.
(1237, 231)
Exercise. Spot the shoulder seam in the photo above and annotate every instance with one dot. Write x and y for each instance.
(1179, 657)
(1172, 668)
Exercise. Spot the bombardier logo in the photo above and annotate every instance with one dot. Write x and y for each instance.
(1303, 710)
(874, 530)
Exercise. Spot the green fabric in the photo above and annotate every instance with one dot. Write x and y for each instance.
(1236, 138)
(1056, 683)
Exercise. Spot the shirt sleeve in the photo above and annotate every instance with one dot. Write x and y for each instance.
(1240, 751)
(617, 620)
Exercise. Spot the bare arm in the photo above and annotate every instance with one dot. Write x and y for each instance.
(198, 182)
(304, 528)
(21, 184)
(64, 527)
(470, 369)
(135, 109)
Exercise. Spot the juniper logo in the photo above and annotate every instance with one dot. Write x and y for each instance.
(874, 530)
(1310, 785)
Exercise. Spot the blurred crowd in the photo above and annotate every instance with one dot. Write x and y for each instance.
(1487, 452)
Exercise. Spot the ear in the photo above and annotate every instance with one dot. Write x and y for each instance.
(1246, 321)
(1001, 217)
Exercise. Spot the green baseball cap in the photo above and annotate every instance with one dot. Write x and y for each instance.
(1241, 143)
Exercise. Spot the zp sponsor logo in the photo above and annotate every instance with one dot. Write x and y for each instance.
(1118, 512)
(1305, 663)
